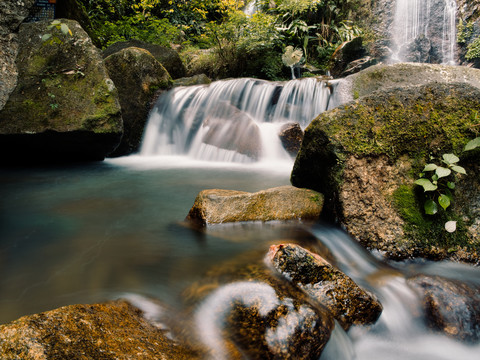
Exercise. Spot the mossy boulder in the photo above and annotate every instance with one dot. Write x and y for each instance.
(282, 203)
(113, 330)
(169, 58)
(137, 75)
(365, 156)
(64, 107)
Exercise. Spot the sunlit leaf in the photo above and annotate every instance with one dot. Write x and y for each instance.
(430, 167)
(458, 169)
(451, 185)
(64, 28)
(472, 144)
(430, 207)
(451, 226)
(442, 172)
(426, 184)
(444, 201)
(450, 159)
(46, 37)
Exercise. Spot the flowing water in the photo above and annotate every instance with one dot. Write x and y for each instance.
(425, 31)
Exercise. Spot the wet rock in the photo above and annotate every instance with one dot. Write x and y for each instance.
(348, 303)
(356, 66)
(345, 54)
(200, 79)
(281, 203)
(450, 306)
(245, 312)
(291, 136)
(113, 330)
(169, 58)
(137, 75)
(65, 107)
(233, 129)
(363, 157)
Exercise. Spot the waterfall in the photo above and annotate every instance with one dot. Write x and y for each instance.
(233, 120)
(424, 31)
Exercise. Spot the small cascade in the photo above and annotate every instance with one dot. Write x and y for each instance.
(424, 31)
(250, 8)
(233, 120)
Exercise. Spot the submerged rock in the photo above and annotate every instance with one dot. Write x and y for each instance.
(450, 306)
(64, 107)
(291, 136)
(282, 203)
(137, 75)
(348, 303)
(113, 330)
(365, 156)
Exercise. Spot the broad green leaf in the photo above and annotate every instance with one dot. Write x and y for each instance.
(444, 201)
(46, 37)
(430, 167)
(426, 184)
(442, 172)
(64, 28)
(458, 169)
(56, 22)
(472, 144)
(430, 207)
(451, 185)
(450, 159)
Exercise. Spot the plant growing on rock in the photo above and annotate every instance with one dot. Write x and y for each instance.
(57, 24)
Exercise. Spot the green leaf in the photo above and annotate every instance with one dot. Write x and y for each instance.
(64, 28)
(442, 172)
(458, 169)
(430, 167)
(56, 22)
(450, 159)
(46, 37)
(472, 144)
(430, 207)
(444, 201)
(451, 185)
(426, 184)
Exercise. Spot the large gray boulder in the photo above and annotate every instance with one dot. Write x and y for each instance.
(366, 155)
(137, 76)
(64, 107)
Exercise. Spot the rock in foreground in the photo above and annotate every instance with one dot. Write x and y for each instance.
(281, 203)
(64, 107)
(114, 330)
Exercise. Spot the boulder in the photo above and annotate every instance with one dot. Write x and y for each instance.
(281, 203)
(348, 303)
(200, 79)
(345, 54)
(113, 330)
(65, 107)
(451, 306)
(291, 136)
(137, 75)
(169, 58)
(12, 14)
(74, 10)
(241, 310)
(365, 156)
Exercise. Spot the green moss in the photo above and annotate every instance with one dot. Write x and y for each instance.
(424, 232)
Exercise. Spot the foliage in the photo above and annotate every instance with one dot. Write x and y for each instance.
(49, 38)
(473, 50)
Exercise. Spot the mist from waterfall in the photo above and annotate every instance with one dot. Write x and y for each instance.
(233, 120)
(424, 31)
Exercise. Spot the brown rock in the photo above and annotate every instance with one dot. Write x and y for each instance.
(291, 136)
(281, 203)
(113, 330)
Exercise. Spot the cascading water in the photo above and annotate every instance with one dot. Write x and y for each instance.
(233, 120)
(424, 31)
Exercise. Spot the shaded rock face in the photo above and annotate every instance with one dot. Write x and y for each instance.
(114, 330)
(281, 203)
(242, 311)
(365, 156)
(12, 14)
(451, 307)
(350, 51)
(136, 75)
(169, 58)
(347, 302)
(291, 136)
(64, 94)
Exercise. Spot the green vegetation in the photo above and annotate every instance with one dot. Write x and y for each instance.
(465, 32)
(240, 45)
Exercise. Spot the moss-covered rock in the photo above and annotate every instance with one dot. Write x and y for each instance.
(281, 203)
(137, 75)
(365, 156)
(169, 58)
(113, 330)
(64, 107)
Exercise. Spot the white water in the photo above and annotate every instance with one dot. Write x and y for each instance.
(233, 120)
(430, 19)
